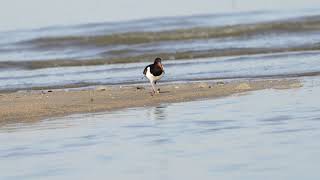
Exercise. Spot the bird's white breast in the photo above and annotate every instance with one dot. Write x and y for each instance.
(151, 77)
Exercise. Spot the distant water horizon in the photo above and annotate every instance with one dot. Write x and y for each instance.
(35, 14)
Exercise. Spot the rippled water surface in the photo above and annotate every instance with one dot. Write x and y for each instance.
(211, 46)
(269, 134)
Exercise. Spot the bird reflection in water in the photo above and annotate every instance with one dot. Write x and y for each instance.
(158, 113)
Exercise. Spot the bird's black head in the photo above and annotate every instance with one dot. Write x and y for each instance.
(157, 60)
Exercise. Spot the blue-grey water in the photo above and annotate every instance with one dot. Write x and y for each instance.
(269, 134)
(210, 46)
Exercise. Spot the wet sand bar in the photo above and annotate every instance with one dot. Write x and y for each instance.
(37, 105)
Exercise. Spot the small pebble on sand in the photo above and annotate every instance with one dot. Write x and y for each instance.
(296, 85)
(203, 85)
(101, 88)
(220, 83)
(243, 86)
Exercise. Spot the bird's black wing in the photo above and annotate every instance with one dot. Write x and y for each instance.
(145, 70)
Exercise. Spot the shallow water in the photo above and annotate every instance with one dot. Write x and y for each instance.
(269, 134)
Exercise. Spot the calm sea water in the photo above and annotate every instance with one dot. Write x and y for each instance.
(223, 46)
(269, 134)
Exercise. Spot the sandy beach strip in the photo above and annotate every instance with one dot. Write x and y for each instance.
(36, 105)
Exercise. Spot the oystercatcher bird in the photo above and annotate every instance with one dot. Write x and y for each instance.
(154, 72)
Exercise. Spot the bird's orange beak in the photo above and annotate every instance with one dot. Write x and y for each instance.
(161, 66)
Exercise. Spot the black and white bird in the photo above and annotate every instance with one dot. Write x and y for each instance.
(154, 72)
